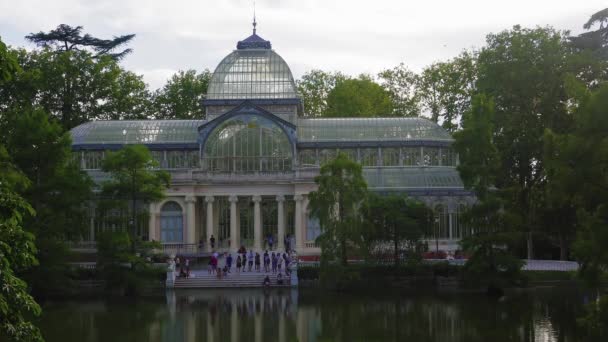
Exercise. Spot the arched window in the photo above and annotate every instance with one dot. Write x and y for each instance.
(171, 223)
(248, 143)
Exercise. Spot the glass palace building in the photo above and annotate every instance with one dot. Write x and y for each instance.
(246, 169)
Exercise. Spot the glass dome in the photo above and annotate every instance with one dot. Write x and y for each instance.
(252, 73)
(247, 144)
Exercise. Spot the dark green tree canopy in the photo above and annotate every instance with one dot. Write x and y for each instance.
(314, 88)
(361, 97)
(337, 203)
(402, 84)
(181, 97)
(69, 38)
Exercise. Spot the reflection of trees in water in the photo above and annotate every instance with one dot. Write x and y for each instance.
(464, 318)
(224, 315)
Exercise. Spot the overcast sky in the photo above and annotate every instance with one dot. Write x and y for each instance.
(348, 35)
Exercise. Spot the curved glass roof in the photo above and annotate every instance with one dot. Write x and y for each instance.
(252, 74)
(136, 132)
(370, 129)
(413, 178)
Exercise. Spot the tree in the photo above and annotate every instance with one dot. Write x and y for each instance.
(314, 88)
(445, 89)
(400, 220)
(74, 87)
(58, 192)
(337, 203)
(595, 41)
(67, 38)
(523, 70)
(479, 164)
(361, 97)
(133, 179)
(402, 84)
(181, 97)
(17, 253)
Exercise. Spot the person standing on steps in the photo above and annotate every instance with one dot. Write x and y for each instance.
(257, 262)
(250, 260)
(212, 241)
(266, 262)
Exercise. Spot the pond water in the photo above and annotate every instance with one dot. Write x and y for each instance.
(309, 315)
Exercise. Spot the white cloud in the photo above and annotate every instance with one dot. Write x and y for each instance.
(353, 36)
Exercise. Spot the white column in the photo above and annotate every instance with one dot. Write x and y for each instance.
(190, 217)
(281, 222)
(451, 224)
(298, 223)
(209, 201)
(234, 231)
(257, 223)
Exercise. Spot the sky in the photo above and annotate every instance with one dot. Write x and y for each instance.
(351, 36)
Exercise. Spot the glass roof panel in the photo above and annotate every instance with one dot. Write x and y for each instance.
(252, 74)
(370, 129)
(137, 132)
(412, 178)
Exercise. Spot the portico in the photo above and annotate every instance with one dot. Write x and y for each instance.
(249, 225)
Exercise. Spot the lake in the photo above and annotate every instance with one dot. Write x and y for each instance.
(313, 315)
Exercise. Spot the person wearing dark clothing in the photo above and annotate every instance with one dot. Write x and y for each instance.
(257, 262)
(212, 241)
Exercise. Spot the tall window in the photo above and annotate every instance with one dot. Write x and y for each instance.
(171, 223)
(245, 144)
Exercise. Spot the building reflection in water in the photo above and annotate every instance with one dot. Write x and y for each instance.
(313, 315)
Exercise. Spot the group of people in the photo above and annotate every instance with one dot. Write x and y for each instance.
(269, 241)
(248, 261)
(182, 265)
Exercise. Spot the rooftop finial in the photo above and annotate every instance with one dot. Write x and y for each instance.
(254, 22)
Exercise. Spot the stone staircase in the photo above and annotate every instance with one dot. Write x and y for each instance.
(202, 279)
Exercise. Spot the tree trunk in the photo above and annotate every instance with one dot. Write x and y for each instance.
(563, 247)
(530, 246)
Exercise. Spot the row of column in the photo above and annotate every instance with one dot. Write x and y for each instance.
(257, 221)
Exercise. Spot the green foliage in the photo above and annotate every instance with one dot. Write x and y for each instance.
(337, 204)
(361, 97)
(17, 253)
(133, 179)
(445, 89)
(58, 193)
(122, 269)
(74, 87)
(402, 85)
(314, 88)
(595, 321)
(68, 38)
(397, 219)
(181, 97)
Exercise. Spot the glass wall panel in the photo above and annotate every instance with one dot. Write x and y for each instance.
(441, 224)
(246, 221)
(368, 156)
(159, 157)
(308, 157)
(327, 154)
(351, 153)
(430, 156)
(171, 223)
(448, 156)
(223, 234)
(248, 143)
(411, 156)
(93, 160)
(313, 229)
(390, 156)
(269, 220)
